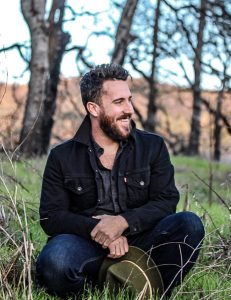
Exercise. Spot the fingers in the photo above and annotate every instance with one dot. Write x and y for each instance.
(115, 251)
(106, 243)
(102, 239)
(97, 217)
(94, 232)
(100, 217)
(126, 247)
(107, 230)
(118, 248)
(101, 232)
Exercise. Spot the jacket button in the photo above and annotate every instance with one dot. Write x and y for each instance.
(142, 182)
(79, 188)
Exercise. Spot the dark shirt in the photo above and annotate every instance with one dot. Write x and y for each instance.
(108, 203)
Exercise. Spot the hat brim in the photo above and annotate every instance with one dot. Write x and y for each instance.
(136, 268)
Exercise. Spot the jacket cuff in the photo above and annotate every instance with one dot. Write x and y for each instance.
(133, 222)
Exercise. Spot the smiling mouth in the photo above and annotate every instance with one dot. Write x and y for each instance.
(125, 123)
(124, 119)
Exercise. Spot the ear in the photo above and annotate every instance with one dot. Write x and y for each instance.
(93, 109)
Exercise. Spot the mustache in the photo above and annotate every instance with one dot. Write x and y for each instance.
(124, 116)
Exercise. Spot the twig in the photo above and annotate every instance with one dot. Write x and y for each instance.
(218, 196)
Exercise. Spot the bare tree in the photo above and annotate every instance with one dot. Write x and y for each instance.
(151, 117)
(58, 41)
(48, 43)
(123, 35)
(152, 51)
(33, 12)
(194, 139)
(219, 49)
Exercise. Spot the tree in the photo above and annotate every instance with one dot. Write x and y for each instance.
(220, 49)
(194, 139)
(48, 43)
(33, 12)
(123, 35)
(187, 39)
(58, 41)
(151, 52)
(201, 32)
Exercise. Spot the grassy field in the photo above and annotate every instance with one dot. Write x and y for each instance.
(205, 189)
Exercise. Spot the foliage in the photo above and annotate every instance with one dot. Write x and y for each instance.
(21, 237)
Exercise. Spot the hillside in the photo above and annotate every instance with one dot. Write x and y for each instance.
(175, 114)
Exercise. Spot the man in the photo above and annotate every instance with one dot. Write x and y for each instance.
(109, 187)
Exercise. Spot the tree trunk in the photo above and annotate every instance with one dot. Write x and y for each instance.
(48, 43)
(150, 124)
(217, 122)
(57, 45)
(217, 131)
(194, 140)
(123, 36)
(33, 12)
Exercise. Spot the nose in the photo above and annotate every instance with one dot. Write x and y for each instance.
(128, 107)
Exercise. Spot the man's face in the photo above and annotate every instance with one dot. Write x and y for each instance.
(116, 110)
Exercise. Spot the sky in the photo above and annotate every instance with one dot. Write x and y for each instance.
(13, 29)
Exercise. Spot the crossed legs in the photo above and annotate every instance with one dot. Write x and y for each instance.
(68, 261)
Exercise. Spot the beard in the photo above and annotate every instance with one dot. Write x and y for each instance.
(111, 129)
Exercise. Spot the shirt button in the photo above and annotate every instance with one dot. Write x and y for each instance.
(135, 229)
(79, 188)
(141, 182)
(98, 200)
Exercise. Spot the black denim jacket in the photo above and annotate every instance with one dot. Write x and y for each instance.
(70, 189)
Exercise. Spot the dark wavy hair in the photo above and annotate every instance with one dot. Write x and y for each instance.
(92, 82)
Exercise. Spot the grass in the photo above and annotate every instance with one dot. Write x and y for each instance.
(21, 237)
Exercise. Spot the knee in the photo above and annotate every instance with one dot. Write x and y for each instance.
(55, 272)
(191, 225)
(51, 263)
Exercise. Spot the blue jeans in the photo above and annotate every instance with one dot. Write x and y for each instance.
(68, 261)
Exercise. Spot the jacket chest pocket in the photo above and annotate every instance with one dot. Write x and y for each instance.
(137, 185)
(82, 191)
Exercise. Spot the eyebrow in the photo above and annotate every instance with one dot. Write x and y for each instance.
(130, 97)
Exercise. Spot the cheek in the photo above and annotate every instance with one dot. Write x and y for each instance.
(113, 113)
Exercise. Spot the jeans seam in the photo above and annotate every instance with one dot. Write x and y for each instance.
(87, 261)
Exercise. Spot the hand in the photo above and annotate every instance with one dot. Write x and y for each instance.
(118, 247)
(108, 229)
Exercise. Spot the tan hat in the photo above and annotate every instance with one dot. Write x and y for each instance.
(135, 271)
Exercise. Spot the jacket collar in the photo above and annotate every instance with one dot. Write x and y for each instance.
(83, 134)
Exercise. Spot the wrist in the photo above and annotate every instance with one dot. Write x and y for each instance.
(123, 222)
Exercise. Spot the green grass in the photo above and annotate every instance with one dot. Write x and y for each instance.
(21, 237)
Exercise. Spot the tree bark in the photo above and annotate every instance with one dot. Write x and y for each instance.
(48, 43)
(218, 120)
(123, 36)
(57, 45)
(194, 140)
(33, 12)
(151, 114)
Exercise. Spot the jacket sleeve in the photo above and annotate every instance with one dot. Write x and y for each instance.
(163, 196)
(55, 217)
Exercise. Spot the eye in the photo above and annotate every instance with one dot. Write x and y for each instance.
(118, 101)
